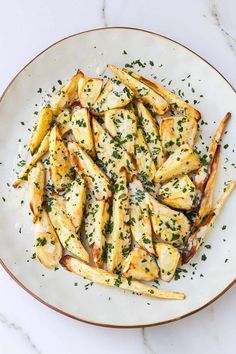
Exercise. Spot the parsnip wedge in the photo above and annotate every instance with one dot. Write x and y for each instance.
(89, 89)
(177, 105)
(65, 229)
(60, 167)
(48, 248)
(75, 202)
(207, 197)
(151, 133)
(36, 182)
(176, 131)
(168, 259)
(170, 225)
(111, 156)
(142, 90)
(64, 127)
(42, 150)
(178, 193)
(203, 173)
(144, 160)
(199, 236)
(114, 95)
(63, 120)
(42, 127)
(122, 125)
(82, 131)
(119, 241)
(140, 219)
(184, 160)
(94, 176)
(96, 225)
(103, 277)
(66, 95)
(140, 265)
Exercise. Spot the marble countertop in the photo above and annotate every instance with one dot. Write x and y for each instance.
(26, 28)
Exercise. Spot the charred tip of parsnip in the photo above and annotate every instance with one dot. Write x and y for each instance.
(55, 195)
(186, 257)
(35, 218)
(227, 117)
(123, 170)
(127, 174)
(65, 262)
(17, 183)
(134, 178)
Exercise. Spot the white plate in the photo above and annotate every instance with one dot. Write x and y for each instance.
(91, 51)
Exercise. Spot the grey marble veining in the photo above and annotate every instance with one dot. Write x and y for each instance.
(147, 346)
(103, 12)
(230, 39)
(11, 325)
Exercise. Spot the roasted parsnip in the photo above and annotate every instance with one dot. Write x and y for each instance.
(36, 182)
(170, 225)
(207, 197)
(203, 173)
(178, 193)
(177, 105)
(75, 199)
(147, 94)
(140, 219)
(145, 163)
(119, 241)
(151, 133)
(168, 258)
(122, 125)
(42, 150)
(63, 120)
(139, 194)
(94, 176)
(65, 229)
(60, 167)
(103, 277)
(114, 95)
(198, 237)
(82, 131)
(140, 265)
(176, 131)
(41, 128)
(48, 248)
(184, 160)
(97, 228)
(66, 95)
(89, 90)
(109, 152)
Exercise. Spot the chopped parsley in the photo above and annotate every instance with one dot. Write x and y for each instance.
(204, 257)
(41, 241)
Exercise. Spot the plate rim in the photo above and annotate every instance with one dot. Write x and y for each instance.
(38, 297)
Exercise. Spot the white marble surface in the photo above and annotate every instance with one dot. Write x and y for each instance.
(26, 28)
